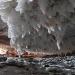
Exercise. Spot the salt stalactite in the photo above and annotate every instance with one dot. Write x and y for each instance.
(8, 15)
(21, 5)
(14, 21)
(18, 26)
(22, 16)
(43, 5)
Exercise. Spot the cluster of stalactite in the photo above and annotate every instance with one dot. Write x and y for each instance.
(37, 24)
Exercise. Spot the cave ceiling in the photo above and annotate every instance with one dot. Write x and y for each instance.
(63, 13)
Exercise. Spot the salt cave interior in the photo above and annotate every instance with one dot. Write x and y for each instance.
(45, 27)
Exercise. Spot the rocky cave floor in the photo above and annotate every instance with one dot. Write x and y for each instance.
(45, 66)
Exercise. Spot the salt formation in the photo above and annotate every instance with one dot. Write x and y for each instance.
(30, 21)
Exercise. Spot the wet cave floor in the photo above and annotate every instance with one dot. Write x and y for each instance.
(45, 66)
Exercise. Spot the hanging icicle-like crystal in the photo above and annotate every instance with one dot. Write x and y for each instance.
(43, 5)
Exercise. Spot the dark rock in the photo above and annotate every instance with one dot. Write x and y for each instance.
(2, 59)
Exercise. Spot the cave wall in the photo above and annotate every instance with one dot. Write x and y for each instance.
(40, 24)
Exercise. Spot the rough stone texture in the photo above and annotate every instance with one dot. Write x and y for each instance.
(63, 11)
(4, 33)
(59, 14)
(45, 66)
